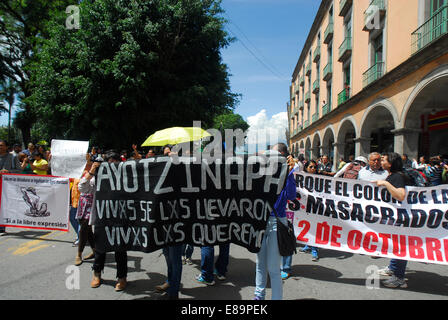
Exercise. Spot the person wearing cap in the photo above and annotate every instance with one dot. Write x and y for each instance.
(373, 171)
(358, 161)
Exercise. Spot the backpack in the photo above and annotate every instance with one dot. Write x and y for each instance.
(415, 177)
(352, 171)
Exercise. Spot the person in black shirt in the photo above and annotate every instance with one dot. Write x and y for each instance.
(395, 183)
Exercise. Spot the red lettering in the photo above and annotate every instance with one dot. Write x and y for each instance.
(354, 239)
(322, 233)
(370, 236)
(306, 227)
(399, 247)
(415, 248)
(335, 235)
(446, 249)
(385, 247)
(433, 246)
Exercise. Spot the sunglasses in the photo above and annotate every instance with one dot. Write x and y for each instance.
(312, 167)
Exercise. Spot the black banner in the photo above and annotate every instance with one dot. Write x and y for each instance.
(157, 202)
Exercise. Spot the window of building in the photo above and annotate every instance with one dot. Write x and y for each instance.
(377, 48)
(347, 75)
(309, 111)
(330, 52)
(348, 27)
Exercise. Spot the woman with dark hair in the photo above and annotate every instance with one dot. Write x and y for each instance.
(311, 167)
(395, 183)
(40, 165)
(85, 204)
(121, 257)
(435, 171)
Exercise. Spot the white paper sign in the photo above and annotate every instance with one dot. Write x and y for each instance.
(68, 158)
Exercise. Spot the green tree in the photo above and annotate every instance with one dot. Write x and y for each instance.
(22, 27)
(8, 94)
(230, 120)
(134, 67)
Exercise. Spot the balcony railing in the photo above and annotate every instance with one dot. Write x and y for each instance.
(328, 34)
(306, 124)
(328, 72)
(326, 109)
(343, 96)
(316, 86)
(308, 69)
(373, 74)
(431, 30)
(308, 96)
(316, 55)
(345, 50)
(344, 6)
(376, 7)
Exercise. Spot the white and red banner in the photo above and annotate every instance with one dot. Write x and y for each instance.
(360, 217)
(37, 202)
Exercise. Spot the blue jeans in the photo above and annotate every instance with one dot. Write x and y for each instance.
(398, 267)
(286, 265)
(314, 250)
(173, 257)
(187, 250)
(208, 258)
(268, 261)
(73, 221)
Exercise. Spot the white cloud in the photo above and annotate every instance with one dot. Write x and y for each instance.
(264, 130)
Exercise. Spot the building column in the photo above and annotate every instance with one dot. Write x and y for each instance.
(362, 146)
(338, 151)
(406, 142)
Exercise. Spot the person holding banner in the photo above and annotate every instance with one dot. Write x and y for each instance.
(395, 183)
(268, 258)
(374, 171)
(86, 187)
(8, 164)
(121, 257)
(311, 167)
(25, 164)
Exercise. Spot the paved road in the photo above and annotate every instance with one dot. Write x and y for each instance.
(39, 265)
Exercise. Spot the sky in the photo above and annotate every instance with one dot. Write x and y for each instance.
(270, 35)
(270, 38)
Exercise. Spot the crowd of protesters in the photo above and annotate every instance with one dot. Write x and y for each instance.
(390, 170)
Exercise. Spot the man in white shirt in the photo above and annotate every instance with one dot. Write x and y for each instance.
(374, 171)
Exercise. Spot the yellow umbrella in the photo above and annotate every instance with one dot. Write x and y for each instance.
(175, 135)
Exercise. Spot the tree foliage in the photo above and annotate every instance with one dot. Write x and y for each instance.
(133, 67)
(23, 26)
(230, 120)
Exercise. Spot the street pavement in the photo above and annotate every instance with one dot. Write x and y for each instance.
(38, 265)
